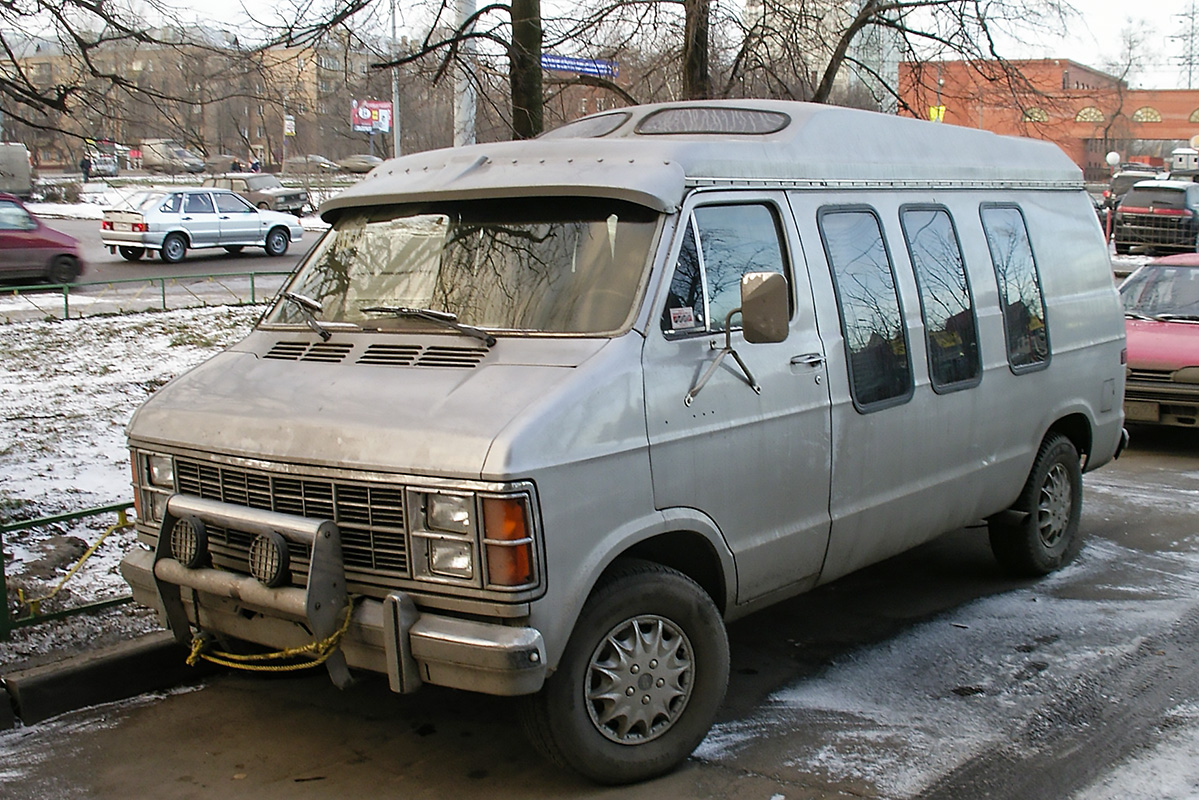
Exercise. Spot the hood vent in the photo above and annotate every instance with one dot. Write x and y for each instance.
(467, 357)
(380, 355)
(327, 352)
(390, 355)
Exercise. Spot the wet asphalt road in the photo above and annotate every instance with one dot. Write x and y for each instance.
(930, 675)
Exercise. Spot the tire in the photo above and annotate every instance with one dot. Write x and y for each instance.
(1043, 534)
(234, 248)
(581, 718)
(277, 242)
(174, 248)
(63, 269)
(131, 253)
(264, 206)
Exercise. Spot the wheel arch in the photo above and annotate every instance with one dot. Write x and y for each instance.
(681, 538)
(1075, 427)
(690, 553)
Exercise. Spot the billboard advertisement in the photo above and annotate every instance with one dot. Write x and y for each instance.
(368, 116)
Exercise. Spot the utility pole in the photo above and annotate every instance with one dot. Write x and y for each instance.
(396, 152)
(464, 86)
(1189, 36)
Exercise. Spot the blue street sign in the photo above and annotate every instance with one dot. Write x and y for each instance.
(583, 66)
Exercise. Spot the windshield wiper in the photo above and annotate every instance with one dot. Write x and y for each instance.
(1140, 315)
(445, 318)
(1168, 317)
(309, 308)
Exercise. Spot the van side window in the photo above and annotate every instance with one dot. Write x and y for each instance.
(1019, 286)
(871, 319)
(950, 325)
(732, 240)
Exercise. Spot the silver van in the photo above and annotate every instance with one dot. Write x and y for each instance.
(540, 418)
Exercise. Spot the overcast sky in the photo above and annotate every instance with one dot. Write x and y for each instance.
(1095, 37)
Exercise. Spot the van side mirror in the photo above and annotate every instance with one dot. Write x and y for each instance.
(765, 307)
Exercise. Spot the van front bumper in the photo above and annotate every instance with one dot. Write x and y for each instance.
(389, 636)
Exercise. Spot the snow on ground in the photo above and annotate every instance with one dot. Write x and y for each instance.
(67, 389)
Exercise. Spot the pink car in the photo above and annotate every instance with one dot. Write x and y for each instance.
(1161, 309)
(29, 249)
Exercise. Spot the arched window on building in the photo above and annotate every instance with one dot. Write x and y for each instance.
(1146, 114)
(1194, 116)
(1034, 115)
(1089, 114)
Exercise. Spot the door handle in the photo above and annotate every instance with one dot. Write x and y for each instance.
(808, 360)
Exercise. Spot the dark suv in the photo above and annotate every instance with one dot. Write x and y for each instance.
(1162, 216)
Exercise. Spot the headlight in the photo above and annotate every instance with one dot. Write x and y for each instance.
(450, 513)
(452, 558)
(161, 471)
(1187, 375)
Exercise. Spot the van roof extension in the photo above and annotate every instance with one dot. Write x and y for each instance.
(652, 155)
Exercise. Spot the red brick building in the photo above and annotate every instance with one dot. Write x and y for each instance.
(1086, 112)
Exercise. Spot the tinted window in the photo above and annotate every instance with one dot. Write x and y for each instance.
(871, 320)
(950, 328)
(588, 127)
(732, 240)
(1019, 286)
(1160, 197)
(198, 204)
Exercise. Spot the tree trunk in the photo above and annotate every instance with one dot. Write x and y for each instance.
(697, 82)
(524, 69)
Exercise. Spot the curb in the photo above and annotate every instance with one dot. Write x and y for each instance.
(118, 672)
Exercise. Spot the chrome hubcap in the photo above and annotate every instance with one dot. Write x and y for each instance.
(639, 680)
(1053, 510)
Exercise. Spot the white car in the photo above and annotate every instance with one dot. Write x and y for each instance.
(172, 221)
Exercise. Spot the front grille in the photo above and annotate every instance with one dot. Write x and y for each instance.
(370, 515)
(1155, 375)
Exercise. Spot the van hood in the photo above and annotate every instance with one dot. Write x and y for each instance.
(1163, 346)
(429, 420)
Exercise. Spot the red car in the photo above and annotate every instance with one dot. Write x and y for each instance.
(31, 250)
(1161, 310)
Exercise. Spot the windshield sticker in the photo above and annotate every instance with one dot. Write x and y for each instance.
(682, 318)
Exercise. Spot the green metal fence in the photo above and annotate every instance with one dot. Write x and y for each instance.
(30, 612)
(127, 295)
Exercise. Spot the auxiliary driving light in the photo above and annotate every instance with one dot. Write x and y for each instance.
(269, 560)
(189, 542)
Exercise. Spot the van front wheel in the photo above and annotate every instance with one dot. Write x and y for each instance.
(641, 679)
(1041, 532)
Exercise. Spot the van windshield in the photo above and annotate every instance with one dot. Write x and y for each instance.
(551, 265)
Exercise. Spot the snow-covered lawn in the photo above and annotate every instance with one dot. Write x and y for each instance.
(67, 389)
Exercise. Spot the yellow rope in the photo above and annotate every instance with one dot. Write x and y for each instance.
(35, 603)
(317, 651)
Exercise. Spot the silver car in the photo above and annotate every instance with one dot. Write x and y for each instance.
(172, 221)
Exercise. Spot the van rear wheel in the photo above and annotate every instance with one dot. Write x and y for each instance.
(1041, 532)
(641, 679)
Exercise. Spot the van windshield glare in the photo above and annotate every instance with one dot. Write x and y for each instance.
(552, 265)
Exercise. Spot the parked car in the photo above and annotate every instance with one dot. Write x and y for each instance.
(173, 221)
(220, 162)
(308, 164)
(104, 165)
(359, 163)
(1158, 216)
(1161, 309)
(31, 249)
(1122, 181)
(264, 191)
